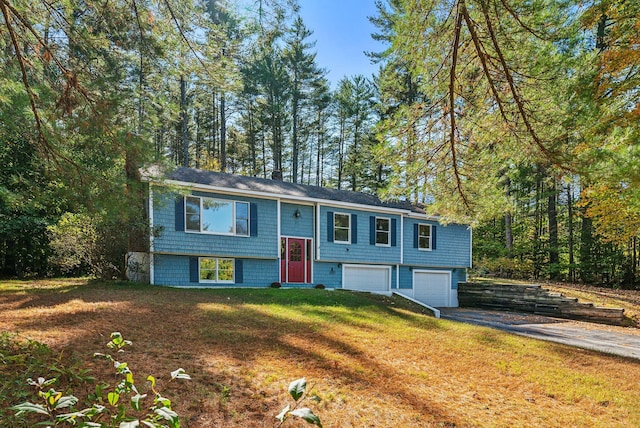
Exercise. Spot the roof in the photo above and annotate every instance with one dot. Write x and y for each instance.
(274, 187)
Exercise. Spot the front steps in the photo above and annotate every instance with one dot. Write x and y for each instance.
(536, 300)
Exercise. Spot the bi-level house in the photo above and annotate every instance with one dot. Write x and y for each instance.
(214, 229)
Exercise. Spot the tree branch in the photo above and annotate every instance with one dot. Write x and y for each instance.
(551, 156)
(452, 113)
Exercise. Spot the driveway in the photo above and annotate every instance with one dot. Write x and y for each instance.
(609, 339)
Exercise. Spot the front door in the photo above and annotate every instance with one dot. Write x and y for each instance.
(296, 258)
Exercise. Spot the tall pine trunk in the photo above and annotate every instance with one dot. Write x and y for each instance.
(185, 130)
(572, 269)
(508, 231)
(223, 133)
(552, 215)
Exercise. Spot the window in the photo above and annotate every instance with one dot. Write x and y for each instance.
(242, 218)
(216, 270)
(216, 216)
(383, 231)
(192, 211)
(295, 252)
(341, 227)
(424, 236)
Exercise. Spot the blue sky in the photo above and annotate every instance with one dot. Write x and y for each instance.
(342, 33)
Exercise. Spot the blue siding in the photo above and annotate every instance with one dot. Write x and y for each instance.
(406, 276)
(453, 247)
(290, 225)
(177, 242)
(362, 251)
(330, 274)
(174, 270)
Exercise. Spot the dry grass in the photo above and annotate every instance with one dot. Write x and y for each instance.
(373, 361)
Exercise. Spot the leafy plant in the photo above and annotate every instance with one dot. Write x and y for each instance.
(116, 410)
(297, 390)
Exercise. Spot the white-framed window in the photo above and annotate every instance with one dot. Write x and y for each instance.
(383, 231)
(424, 236)
(214, 270)
(216, 216)
(342, 228)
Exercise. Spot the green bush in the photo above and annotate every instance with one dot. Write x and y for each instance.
(122, 406)
(504, 267)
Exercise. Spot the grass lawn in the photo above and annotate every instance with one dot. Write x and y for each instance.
(372, 361)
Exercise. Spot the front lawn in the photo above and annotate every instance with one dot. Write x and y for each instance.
(372, 361)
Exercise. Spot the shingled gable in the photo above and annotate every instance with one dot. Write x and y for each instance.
(275, 187)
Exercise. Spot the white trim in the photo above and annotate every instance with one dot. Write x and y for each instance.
(357, 265)
(419, 216)
(279, 242)
(349, 229)
(294, 199)
(317, 230)
(151, 238)
(375, 231)
(286, 259)
(436, 312)
(216, 281)
(401, 240)
(152, 272)
(446, 272)
(430, 237)
(470, 247)
(150, 212)
(234, 216)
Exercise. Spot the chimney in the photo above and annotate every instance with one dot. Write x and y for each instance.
(276, 175)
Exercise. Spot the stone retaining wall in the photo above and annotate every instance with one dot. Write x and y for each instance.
(534, 299)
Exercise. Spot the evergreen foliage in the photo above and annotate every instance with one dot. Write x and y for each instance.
(518, 117)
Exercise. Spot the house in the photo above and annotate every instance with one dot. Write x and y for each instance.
(214, 229)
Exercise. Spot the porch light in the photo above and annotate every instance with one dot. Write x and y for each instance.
(297, 214)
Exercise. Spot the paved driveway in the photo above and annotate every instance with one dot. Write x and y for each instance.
(612, 340)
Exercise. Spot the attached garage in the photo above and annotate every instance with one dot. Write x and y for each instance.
(375, 279)
(432, 287)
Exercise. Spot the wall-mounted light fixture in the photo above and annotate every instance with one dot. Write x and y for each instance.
(297, 214)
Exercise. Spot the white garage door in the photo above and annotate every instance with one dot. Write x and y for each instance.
(432, 287)
(375, 279)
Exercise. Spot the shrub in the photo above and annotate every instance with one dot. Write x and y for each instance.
(84, 244)
(275, 284)
(319, 286)
(505, 267)
(123, 406)
(297, 390)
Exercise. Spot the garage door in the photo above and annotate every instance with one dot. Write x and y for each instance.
(432, 288)
(375, 279)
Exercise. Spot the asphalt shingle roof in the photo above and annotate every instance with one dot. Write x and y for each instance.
(239, 182)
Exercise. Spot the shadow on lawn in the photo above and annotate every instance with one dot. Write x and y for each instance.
(223, 337)
(186, 327)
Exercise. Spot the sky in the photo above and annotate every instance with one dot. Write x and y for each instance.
(342, 33)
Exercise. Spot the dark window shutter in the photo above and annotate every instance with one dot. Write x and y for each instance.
(253, 219)
(415, 235)
(179, 214)
(354, 229)
(372, 230)
(194, 274)
(393, 232)
(433, 237)
(239, 274)
(329, 226)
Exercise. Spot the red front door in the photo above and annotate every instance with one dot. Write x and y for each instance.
(296, 260)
